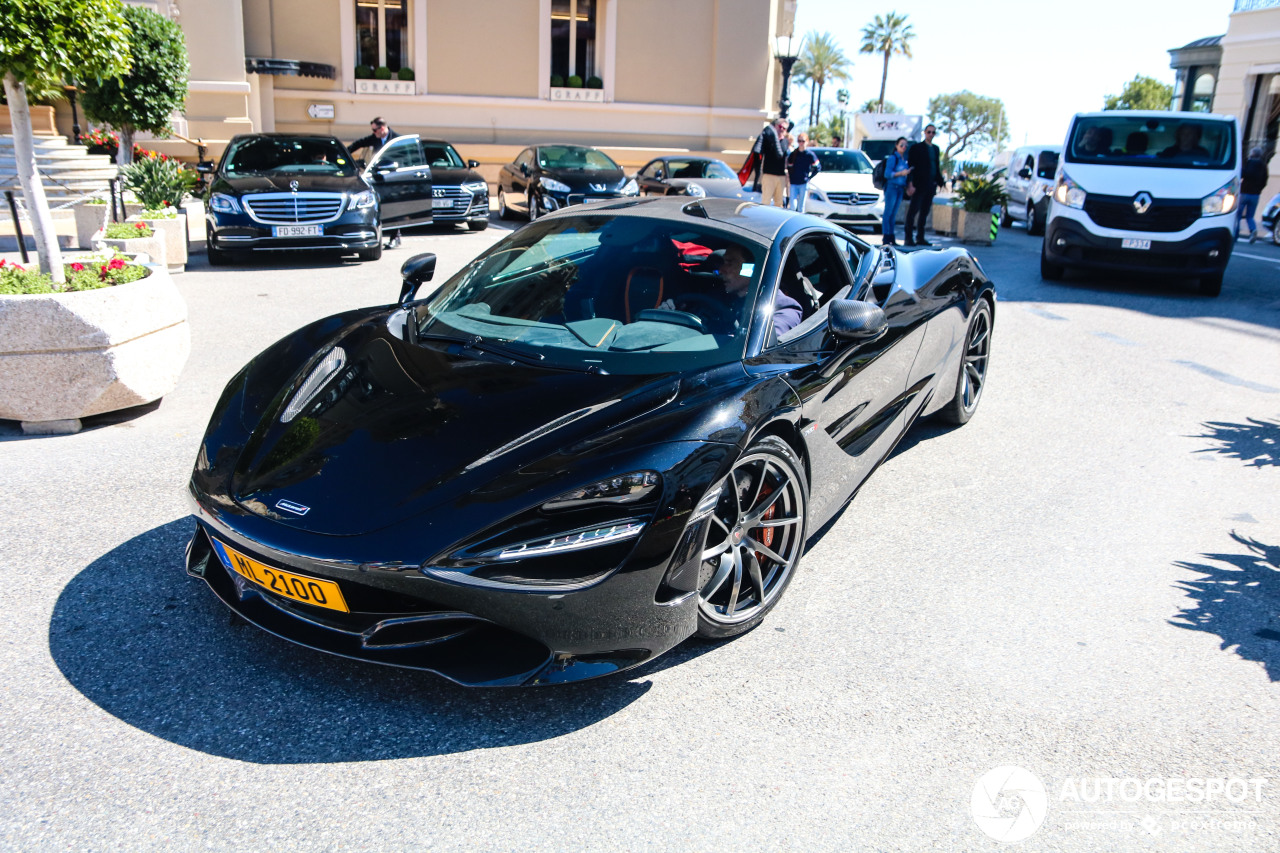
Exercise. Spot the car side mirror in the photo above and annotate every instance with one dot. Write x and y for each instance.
(851, 320)
(1024, 172)
(524, 169)
(416, 272)
(205, 167)
(473, 164)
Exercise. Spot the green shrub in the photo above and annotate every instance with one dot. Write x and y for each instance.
(383, 73)
(405, 73)
(16, 279)
(92, 274)
(981, 194)
(96, 200)
(594, 82)
(575, 82)
(127, 230)
(159, 213)
(364, 72)
(557, 81)
(158, 182)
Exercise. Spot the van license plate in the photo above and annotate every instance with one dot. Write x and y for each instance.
(1134, 243)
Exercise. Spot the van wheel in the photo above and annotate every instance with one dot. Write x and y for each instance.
(1050, 271)
(1035, 227)
(1005, 219)
(1211, 285)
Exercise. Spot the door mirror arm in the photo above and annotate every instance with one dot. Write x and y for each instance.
(416, 271)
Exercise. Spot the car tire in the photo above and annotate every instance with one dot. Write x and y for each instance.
(533, 208)
(971, 379)
(371, 254)
(1005, 219)
(217, 257)
(1049, 271)
(504, 212)
(747, 565)
(1211, 285)
(477, 225)
(1275, 233)
(1035, 226)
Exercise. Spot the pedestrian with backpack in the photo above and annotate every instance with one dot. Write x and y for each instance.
(891, 175)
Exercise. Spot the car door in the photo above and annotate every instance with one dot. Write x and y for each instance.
(400, 174)
(651, 178)
(1020, 182)
(854, 400)
(521, 176)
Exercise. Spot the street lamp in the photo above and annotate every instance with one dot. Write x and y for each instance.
(786, 52)
(70, 87)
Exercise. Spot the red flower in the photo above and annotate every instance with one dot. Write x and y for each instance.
(117, 264)
(166, 202)
(78, 267)
(140, 225)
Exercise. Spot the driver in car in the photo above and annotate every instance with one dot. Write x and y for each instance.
(787, 312)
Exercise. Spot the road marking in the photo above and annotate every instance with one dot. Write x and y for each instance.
(1048, 315)
(1255, 257)
(1228, 378)
(1116, 339)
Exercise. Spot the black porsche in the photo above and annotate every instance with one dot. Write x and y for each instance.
(611, 431)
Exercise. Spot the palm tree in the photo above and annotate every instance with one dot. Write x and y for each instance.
(888, 35)
(821, 61)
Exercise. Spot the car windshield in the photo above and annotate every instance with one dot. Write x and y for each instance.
(271, 154)
(844, 160)
(573, 157)
(1175, 141)
(618, 294)
(441, 155)
(700, 169)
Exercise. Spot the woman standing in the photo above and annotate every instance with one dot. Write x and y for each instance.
(896, 171)
(1253, 177)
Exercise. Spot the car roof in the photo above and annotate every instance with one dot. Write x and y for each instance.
(762, 222)
(285, 136)
(1184, 116)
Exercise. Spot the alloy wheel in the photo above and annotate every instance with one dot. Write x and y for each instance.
(754, 540)
(976, 351)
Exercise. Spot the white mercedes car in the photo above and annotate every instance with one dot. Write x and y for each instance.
(843, 193)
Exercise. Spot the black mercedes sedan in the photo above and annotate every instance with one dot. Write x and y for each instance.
(546, 178)
(613, 430)
(700, 177)
(281, 191)
(454, 192)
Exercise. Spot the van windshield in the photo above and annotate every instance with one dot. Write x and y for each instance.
(1176, 141)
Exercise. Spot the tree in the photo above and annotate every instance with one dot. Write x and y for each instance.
(154, 88)
(887, 35)
(53, 40)
(821, 61)
(874, 106)
(1141, 93)
(967, 119)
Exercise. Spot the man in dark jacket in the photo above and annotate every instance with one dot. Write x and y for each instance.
(380, 134)
(772, 145)
(925, 161)
(1253, 177)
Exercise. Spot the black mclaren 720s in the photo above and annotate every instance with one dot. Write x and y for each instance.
(611, 431)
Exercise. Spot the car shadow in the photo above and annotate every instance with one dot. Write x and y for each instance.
(1236, 599)
(1256, 443)
(154, 648)
(12, 430)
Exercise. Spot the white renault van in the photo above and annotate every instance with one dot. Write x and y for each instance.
(1145, 191)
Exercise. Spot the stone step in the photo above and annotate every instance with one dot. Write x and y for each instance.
(46, 143)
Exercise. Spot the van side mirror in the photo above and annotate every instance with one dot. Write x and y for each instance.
(416, 272)
(1024, 173)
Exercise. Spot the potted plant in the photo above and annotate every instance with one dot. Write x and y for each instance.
(91, 217)
(945, 215)
(101, 142)
(363, 72)
(979, 196)
(42, 96)
(112, 336)
(161, 183)
(135, 238)
(405, 74)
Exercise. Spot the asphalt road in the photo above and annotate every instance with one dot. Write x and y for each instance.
(1083, 582)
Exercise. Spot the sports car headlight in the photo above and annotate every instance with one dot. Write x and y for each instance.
(624, 489)
(631, 188)
(1222, 201)
(363, 200)
(573, 541)
(552, 185)
(475, 187)
(695, 190)
(221, 203)
(320, 374)
(1068, 192)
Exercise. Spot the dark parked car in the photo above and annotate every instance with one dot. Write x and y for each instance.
(700, 177)
(589, 444)
(545, 178)
(281, 191)
(457, 194)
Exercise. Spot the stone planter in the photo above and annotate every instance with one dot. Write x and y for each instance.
(90, 219)
(974, 227)
(153, 247)
(65, 356)
(43, 121)
(945, 218)
(173, 232)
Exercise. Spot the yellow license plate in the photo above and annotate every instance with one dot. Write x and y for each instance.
(313, 591)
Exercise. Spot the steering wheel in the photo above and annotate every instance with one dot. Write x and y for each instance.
(677, 318)
(712, 311)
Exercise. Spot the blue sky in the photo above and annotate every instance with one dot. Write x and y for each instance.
(1046, 61)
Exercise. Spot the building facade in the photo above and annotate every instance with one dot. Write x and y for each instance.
(633, 76)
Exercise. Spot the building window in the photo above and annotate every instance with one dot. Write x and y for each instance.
(1202, 93)
(382, 34)
(573, 39)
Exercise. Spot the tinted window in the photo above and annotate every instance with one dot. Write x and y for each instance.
(1048, 165)
(267, 154)
(623, 294)
(700, 169)
(573, 157)
(1166, 142)
(405, 153)
(845, 160)
(441, 155)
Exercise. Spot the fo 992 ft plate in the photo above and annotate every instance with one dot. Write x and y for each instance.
(313, 591)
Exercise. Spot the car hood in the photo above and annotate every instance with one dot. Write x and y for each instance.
(843, 182)
(453, 177)
(402, 428)
(281, 184)
(1162, 183)
(610, 180)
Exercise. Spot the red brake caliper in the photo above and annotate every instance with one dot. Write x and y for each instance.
(766, 533)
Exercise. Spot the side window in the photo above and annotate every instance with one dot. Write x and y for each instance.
(652, 170)
(853, 254)
(812, 274)
(1048, 164)
(406, 153)
(1030, 164)
(525, 158)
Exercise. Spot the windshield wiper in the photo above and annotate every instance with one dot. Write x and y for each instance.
(476, 342)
